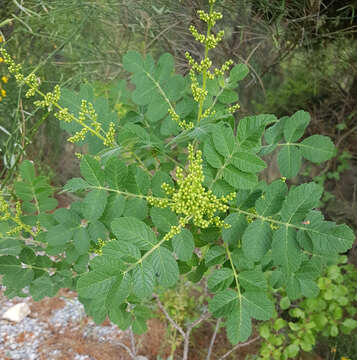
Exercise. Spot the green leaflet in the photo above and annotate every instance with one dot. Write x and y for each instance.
(28, 256)
(134, 231)
(299, 202)
(237, 73)
(223, 303)
(158, 179)
(285, 249)
(258, 305)
(239, 179)
(228, 96)
(10, 246)
(143, 280)
(43, 286)
(59, 235)
(27, 171)
(239, 325)
(67, 217)
(220, 279)
(253, 280)
(116, 173)
(223, 139)
(8, 264)
(126, 251)
(36, 192)
(183, 245)
(136, 208)
(114, 209)
(215, 255)
(233, 234)
(250, 130)
(275, 133)
(295, 126)
(76, 184)
(271, 201)
(94, 204)
(165, 267)
(163, 219)
(91, 171)
(317, 148)
(93, 283)
(81, 240)
(212, 156)
(328, 240)
(18, 279)
(119, 316)
(119, 291)
(289, 161)
(248, 162)
(256, 240)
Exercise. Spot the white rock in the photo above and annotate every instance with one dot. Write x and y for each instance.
(17, 312)
(140, 357)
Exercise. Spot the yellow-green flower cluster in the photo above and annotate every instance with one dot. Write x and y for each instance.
(208, 112)
(33, 83)
(12, 66)
(211, 18)
(5, 215)
(250, 218)
(64, 115)
(199, 94)
(4, 80)
(232, 109)
(182, 123)
(191, 199)
(4, 210)
(49, 99)
(98, 248)
(174, 230)
(110, 136)
(225, 67)
(87, 111)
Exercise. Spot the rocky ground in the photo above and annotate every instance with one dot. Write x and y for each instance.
(58, 329)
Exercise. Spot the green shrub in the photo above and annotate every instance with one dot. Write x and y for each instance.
(170, 190)
(299, 325)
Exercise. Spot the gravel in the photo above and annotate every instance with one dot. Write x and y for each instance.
(23, 340)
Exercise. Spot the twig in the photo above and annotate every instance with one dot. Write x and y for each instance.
(126, 348)
(349, 132)
(186, 346)
(168, 317)
(213, 338)
(238, 346)
(132, 341)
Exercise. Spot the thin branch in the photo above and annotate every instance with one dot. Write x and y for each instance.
(126, 348)
(213, 338)
(238, 346)
(168, 317)
(132, 341)
(186, 346)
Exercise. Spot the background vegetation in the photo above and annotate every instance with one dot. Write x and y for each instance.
(302, 54)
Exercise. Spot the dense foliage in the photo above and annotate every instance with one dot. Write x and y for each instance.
(171, 190)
